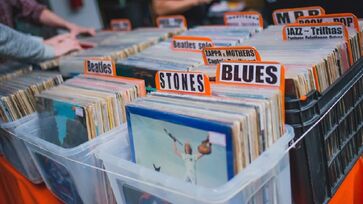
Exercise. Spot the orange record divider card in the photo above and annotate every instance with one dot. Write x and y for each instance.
(120, 24)
(216, 55)
(286, 16)
(312, 31)
(247, 18)
(253, 74)
(348, 19)
(190, 43)
(192, 83)
(100, 66)
(176, 21)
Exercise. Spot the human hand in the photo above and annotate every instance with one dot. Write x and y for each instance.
(76, 30)
(66, 46)
(57, 39)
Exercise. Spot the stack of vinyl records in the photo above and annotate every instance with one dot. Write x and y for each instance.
(17, 94)
(88, 106)
(144, 65)
(117, 46)
(310, 64)
(11, 69)
(224, 35)
(204, 140)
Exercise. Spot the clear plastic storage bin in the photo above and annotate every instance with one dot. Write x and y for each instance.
(265, 180)
(71, 174)
(15, 151)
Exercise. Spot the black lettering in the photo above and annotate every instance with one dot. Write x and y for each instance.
(200, 83)
(247, 73)
(176, 81)
(270, 71)
(282, 18)
(349, 21)
(339, 30)
(313, 12)
(192, 82)
(259, 74)
(297, 14)
(184, 81)
(169, 75)
(226, 72)
(236, 73)
(161, 79)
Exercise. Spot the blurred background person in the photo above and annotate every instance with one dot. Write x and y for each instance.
(29, 49)
(195, 11)
(30, 10)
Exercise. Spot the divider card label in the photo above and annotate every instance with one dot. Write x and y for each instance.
(251, 73)
(120, 25)
(248, 18)
(286, 16)
(193, 83)
(177, 21)
(314, 31)
(348, 19)
(216, 55)
(190, 43)
(99, 66)
(254, 74)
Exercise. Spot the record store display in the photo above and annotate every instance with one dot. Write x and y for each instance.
(326, 59)
(145, 64)
(11, 69)
(117, 45)
(243, 112)
(226, 131)
(88, 106)
(17, 94)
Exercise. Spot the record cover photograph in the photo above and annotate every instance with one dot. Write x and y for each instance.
(195, 150)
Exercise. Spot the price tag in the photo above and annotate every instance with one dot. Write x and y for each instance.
(347, 19)
(177, 21)
(99, 66)
(120, 25)
(248, 18)
(190, 43)
(286, 16)
(216, 55)
(193, 83)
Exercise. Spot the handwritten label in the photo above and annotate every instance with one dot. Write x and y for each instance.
(183, 82)
(348, 19)
(315, 31)
(248, 18)
(120, 25)
(250, 73)
(216, 55)
(177, 21)
(286, 16)
(94, 66)
(190, 43)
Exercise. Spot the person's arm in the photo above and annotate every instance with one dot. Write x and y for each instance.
(176, 151)
(32, 10)
(18, 46)
(51, 19)
(170, 7)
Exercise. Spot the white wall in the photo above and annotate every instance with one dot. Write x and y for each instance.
(88, 15)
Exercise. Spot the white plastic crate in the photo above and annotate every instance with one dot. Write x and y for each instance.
(15, 151)
(265, 180)
(67, 172)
